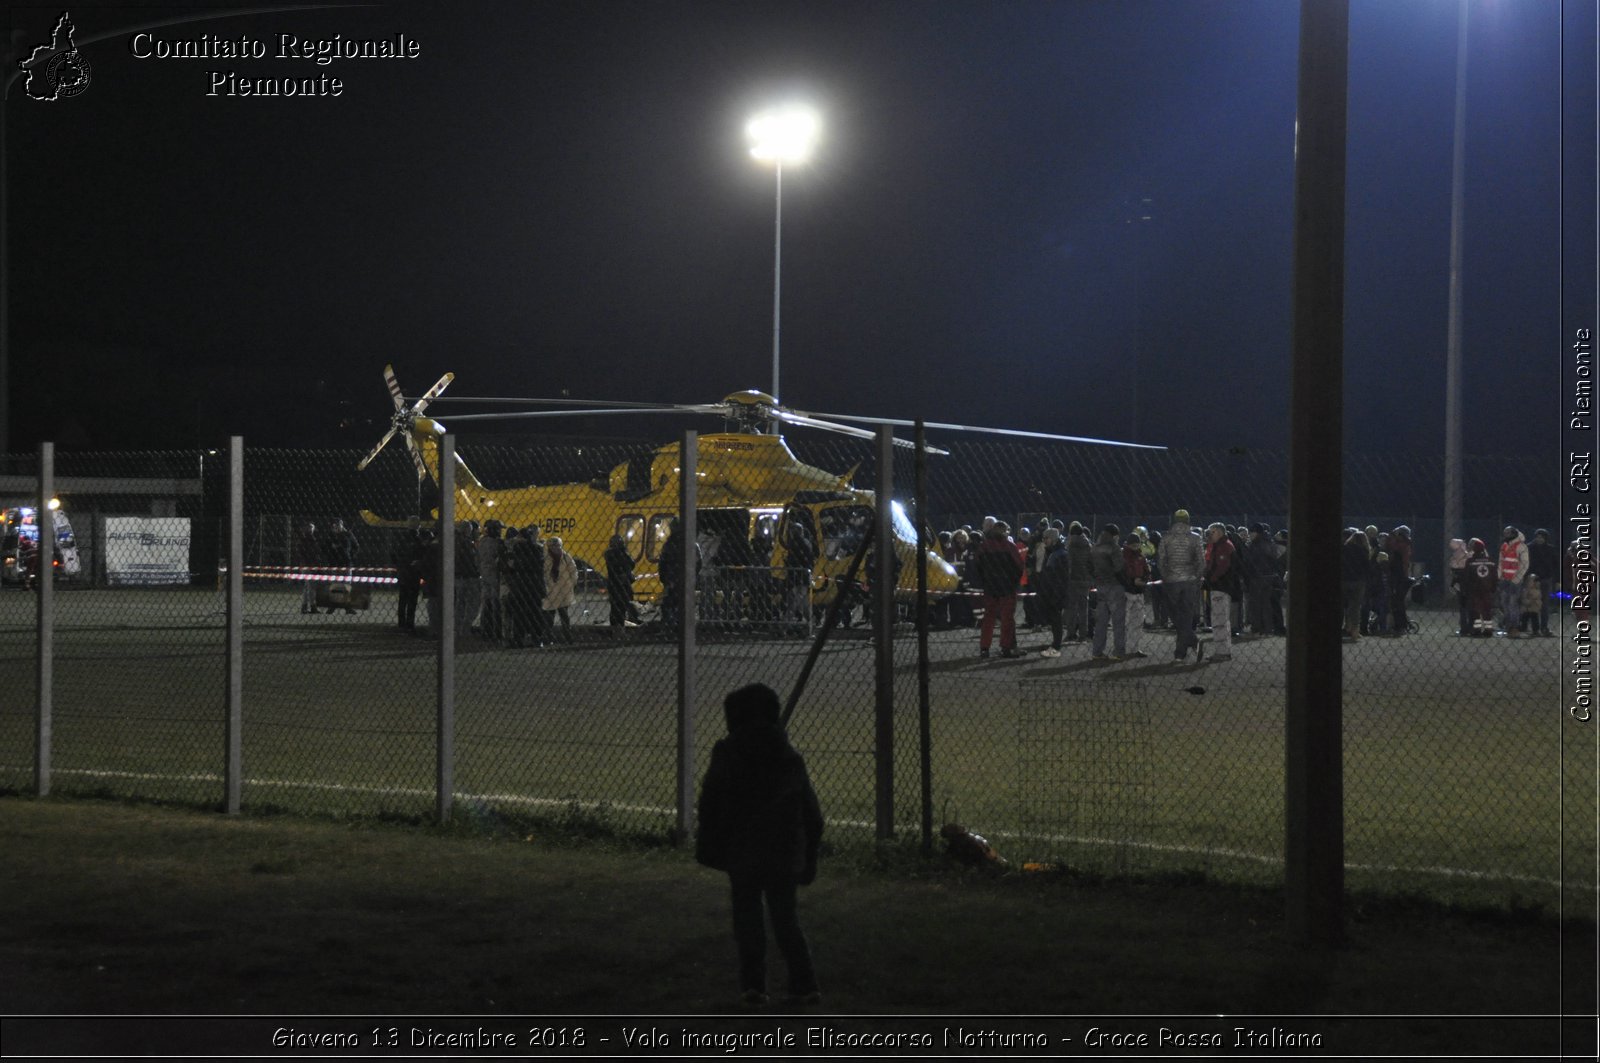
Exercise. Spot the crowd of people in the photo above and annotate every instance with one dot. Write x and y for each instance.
(1108, 589)
(334, 549)
(1112, 588)
(1516, 584)
(514, 587)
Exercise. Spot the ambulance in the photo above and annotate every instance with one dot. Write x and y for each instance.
(19, 544)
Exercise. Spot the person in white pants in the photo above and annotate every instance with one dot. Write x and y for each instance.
(1138, 570)
(1222, 580)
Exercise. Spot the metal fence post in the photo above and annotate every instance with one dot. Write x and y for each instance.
(444, 747)
(924, 704)
(1314, 770)
(45, 616)
(688, 499)
(233, 729)
(883, 586)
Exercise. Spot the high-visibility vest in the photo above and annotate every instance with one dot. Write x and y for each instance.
(1508, 561)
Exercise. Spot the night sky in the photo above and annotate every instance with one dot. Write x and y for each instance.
(1017, 210)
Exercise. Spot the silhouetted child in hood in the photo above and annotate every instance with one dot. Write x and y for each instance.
(759, 821)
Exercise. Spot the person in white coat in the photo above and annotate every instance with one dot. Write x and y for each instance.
(561, 586)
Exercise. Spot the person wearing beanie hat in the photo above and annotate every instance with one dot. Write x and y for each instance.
(1181, 559)
(760, 822)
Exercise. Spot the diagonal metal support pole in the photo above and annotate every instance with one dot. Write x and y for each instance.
(829, 622)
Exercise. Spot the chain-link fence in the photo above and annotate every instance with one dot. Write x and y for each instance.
(1096, 752)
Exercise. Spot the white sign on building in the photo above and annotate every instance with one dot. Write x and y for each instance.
(146, 550)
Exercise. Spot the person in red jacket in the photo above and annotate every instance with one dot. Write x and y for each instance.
(999, 574)
(1479, 579)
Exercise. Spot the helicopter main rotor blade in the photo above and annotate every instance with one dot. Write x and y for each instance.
(807, 421)
(394, 392)
(432, 393)
(996, 431)
(381, 444)
(520, 414)
(416, 457)
(493, 400)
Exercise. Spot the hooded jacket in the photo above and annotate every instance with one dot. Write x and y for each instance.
(758, 814)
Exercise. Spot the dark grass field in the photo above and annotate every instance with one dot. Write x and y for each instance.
(114, 908)
(1466, 779)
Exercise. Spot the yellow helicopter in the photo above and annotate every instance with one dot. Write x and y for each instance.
(749, 483)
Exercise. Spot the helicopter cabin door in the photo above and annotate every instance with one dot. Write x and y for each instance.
(796, 519)
(724, 537)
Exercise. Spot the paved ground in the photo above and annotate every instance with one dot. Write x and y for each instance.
(1456, 750)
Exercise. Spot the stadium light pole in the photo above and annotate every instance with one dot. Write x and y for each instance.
(782, 135)
(1452, 387)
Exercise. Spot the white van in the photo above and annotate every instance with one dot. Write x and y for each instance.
(19, 542)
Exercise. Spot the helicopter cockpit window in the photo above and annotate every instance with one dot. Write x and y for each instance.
(631, 529)
(843, 528)
(903, 528)
(660, 528)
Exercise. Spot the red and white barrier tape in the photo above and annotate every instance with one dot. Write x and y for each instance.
(321, 575)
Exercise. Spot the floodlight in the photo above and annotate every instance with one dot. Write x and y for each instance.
(784, 135)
